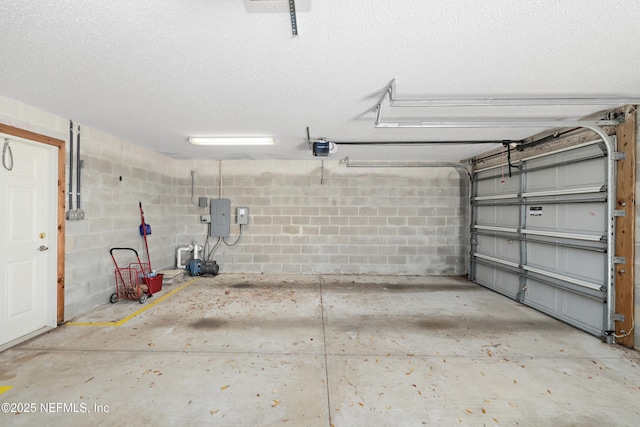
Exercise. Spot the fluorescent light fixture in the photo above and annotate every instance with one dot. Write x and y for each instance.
(232, 140)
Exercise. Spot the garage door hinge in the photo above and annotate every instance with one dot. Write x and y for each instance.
(619, 155)
(619, 260)
(617, 317)
(619, 212)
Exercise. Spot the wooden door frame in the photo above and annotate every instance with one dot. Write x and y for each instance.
(626, 228)
(61, 145)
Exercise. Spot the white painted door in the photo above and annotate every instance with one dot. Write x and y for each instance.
(28, 239)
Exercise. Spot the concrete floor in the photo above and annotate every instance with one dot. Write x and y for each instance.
(257, 350)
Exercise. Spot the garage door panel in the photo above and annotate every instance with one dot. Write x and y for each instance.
(486, 275)
(502, 248)
(541, 294)
(495, 186)
(583, 265)
(498, 216)
(580, 218)
(576, 175)
(586, 173)
(583, 154)
(543, 256)
(499, 280)
(583, 217)
(584, 313)
(508, 284)
(559, 217)
(588, 266)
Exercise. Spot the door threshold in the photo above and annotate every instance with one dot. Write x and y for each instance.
(26, 337)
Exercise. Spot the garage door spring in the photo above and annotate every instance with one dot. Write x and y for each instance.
(6, 149)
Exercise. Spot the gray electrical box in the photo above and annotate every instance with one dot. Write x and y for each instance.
(220, 218)
(242, 215)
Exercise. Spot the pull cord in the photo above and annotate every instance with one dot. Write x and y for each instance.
(502, 165)
(7, 149)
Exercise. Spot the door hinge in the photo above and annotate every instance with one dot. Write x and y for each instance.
(619, 213)
(619, 155)
(619, 260)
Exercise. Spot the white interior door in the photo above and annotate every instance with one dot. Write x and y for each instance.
(28, 239)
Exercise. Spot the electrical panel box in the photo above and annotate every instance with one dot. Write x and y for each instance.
(220, 218)
(242, 215)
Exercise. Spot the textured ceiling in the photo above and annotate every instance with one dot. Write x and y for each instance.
(154, 73)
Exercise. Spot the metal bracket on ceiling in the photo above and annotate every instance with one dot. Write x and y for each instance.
(505, 102)
(377, 164)
(389, 94)
(294, 22)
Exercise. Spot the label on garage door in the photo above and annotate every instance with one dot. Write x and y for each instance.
(535, 210)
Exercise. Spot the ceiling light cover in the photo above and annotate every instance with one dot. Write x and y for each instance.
(232, 140)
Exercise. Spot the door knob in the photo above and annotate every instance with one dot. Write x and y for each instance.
(43, 248)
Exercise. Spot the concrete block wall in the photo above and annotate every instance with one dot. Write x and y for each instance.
(365, 221)
(322, 217)
(116, 177)
(112, 214)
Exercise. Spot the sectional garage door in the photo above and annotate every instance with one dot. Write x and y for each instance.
(539, 235)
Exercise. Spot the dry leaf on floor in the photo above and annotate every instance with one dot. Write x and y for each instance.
(548, 391)
(360, 403)
(214, 411)
(469, 411)
(484, 411)
(489, 353)
(275, 403)
(224, 387)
